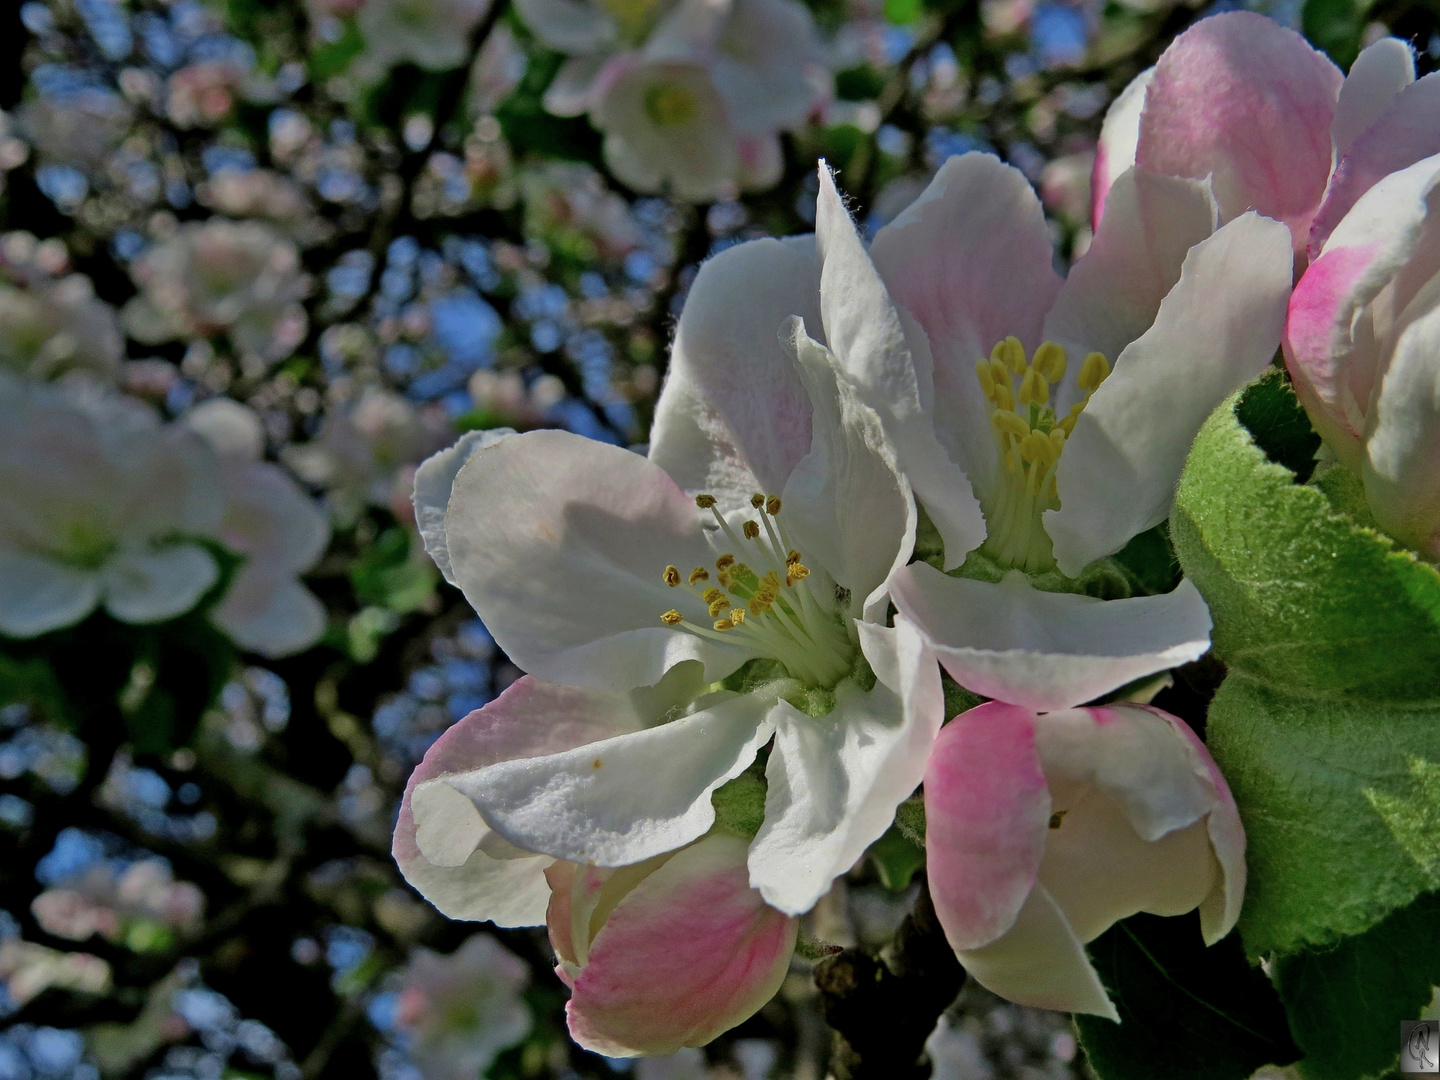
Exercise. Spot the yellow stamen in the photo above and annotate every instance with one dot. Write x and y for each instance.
(986, 375)
(1034, 389)
(672, 617)
(723, 624)
(1094, 371)
(704, 502)
(1009, 423)
(1049, 361)
(699, 574)
(1011, 353)
(772, 505)
(737, 616)
(757, 500)
(724, 562)
(711, 595)
(672, 576)
(793, 557)
(751, 530)
(717, 606)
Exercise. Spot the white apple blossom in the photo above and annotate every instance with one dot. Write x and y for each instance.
(241, 279)
(274, 526)
(52, 323)
(432, 34)
(100, 504)
(691, 95)
(594, 570)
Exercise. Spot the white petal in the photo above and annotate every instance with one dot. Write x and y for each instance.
(625, 799)
(1040, 962)
(1119, 137)
(834, 782)
(144, 586)
(573, 90)
(433, 481)
(269, 519)
(733, 417)
(1046, 650)
(849, 477)
(38, 595)
(571, 26)
(1402, 453)
(1116, 287)
(232, 429)
(561, 543)
(1380, 72)
(887, 357)
(761, 65)
(269, 613)
(1215, 331)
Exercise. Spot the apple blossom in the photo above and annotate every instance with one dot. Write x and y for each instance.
(100, 504)
(697, 905)
(955, 328)
(1044, 830)
(666, 954)
(242, 279)
(459, 1012)
(432, 34)
(593, 569)
(276, 528)
(690, 94)
(1272, 122)
(51, 324)
(1363, 347)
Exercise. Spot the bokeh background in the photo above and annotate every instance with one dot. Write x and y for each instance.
(372, 245)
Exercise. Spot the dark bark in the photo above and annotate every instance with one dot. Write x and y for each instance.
(883, 1009)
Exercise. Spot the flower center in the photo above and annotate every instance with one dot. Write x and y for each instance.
(670, 104)
(773, 607)
(1030, 438)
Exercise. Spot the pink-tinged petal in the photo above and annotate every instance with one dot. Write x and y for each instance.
(1333, 336)
(1041, 963)
(1130, 800)
(834, 786)
(689, 953)
(628, 798)
(1046, 650)
(987, 812)
(1241, 99)
(1119, 138)
(733, 417)
(1379, 73)
(561, 543)
(1116, 287)
(1221, 908)
(1407, 132)
(972, 260)
(560, 877)
(481, 877)
(885, 353)
(1402, 450)
(1215, 331)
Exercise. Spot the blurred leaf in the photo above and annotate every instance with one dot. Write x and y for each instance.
(1337, 26)
(532, 130)
(394, 573)
(331, 59)
(1345, 1004)
(903, 12)
(862, 82)
(1187, 1012)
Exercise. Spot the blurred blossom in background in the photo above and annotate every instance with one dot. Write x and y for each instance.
(259, 259)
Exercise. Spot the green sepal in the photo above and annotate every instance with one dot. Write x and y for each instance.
(1304, 598)
(1345, 1004)
(897, 858)
(910, 820)
(740, 803)
(1187, 1012)
(1337, 801)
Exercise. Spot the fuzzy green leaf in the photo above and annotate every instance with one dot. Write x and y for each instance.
(1337, 801)
(1187, 1012)
(1304, 598)
(1346, 1004)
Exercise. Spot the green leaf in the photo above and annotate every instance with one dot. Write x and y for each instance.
(1346, 1004)
(1336, 26)
(1336, 800)
(1304, 598)
(1187, 1012)
(896, 858)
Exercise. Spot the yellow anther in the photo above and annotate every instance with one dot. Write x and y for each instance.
(724, 562)
(723, 625)
(1004, 399)
(1067, 426)
(737, 616)
(704, 502)
(717, 606)
(751, 530)
(672, 617)
(1034, 389)
(772, 505)
(711, 595)
(672, 576)
(1049, 360)
(758, 606)
(1057, 440)
(796, 572)
(757, 500)
(1009, 423)
(1094, 371)
(793, 557)
(986, 375)
(1010, 353)
(1034, 447)
(699, 574)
